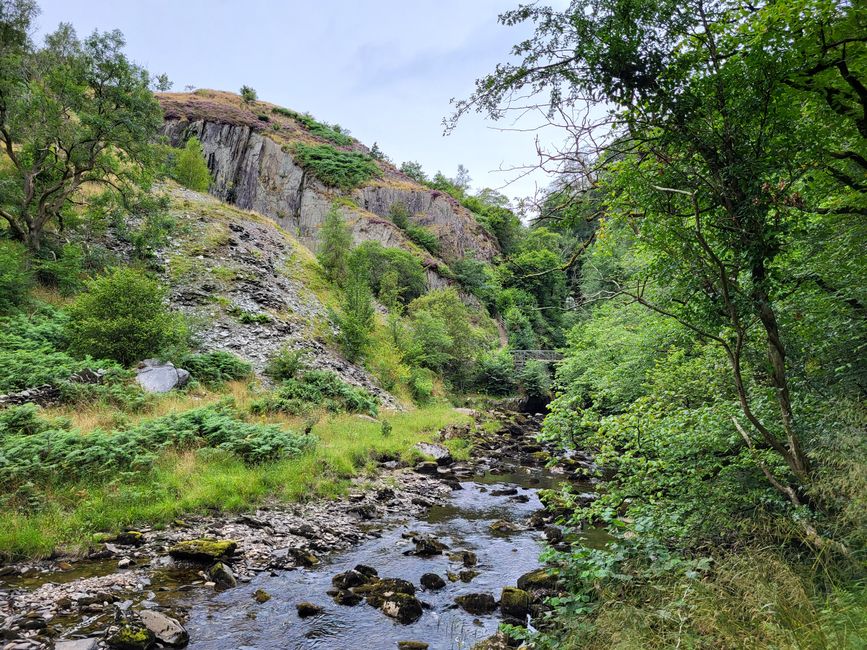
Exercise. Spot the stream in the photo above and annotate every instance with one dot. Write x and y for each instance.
(233, 619)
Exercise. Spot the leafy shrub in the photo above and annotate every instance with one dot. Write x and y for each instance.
(216, 367)
(286, 364)
(399, 215)
(495, 373)
(63, 269)
(59, 454)
(335, 242)
(333, 133)
(21, 420)
(190, 168)
(421, 385)
(14, 276)
(248, 94)
(535, 380)
(342, 169)
(356, 316)
(316, 388)
(122, 316)
(376, 262)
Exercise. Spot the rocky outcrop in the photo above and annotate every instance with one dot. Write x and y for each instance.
(254, 172)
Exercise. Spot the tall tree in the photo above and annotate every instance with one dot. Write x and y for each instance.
(334, 245)
(73, 112)
(683, 112)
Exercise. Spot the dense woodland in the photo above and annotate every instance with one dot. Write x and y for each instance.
(698, 261)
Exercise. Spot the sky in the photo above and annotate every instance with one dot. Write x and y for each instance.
(384, 69)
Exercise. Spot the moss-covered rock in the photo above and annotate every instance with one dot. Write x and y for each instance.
(131, 636)
(203, 550)
(377, 592)
(477, 603)
(404, 608)
(261, 596)
(538, 580)
(515, 602)
(222, 575)
(432, 581)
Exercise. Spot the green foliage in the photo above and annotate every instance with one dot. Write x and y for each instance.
(216, 367)
(65, 271)
(374, 261)
(316, 389)
(286, 364)
(399, 215)
(356, 315)
(122, 316)
(85, 102)
(190, 167)
(344, 170)
(421, 385)
(248, 94)
(14, 276)
(535, 380)
(331, 132)
(495, 373)
(414, 170)
(334, 243)
(58, 455)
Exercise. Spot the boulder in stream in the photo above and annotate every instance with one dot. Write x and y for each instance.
(515, 602)
(222, 575)
(440, 454)
(306, 610)
(432, 581)
(203, 550)
(404, 608)
(538, 580)
(477, 603)
(130, 635)
(167, 630)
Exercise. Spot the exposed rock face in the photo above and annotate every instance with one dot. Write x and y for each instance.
(254, 172)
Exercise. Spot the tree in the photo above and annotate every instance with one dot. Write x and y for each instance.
(73, 112)
(248, 95)
(356, 317)
(414, 170)
(462, 179)
(714, 181)
(123, 316)
(191, 169)
(162, 83)
(334, 245)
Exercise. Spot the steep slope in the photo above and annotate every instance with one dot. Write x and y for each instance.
(249, 152)
(250, 288)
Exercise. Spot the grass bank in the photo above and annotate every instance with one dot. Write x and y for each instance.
(64, 518)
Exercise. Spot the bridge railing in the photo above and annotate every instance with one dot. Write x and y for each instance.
(545, 356)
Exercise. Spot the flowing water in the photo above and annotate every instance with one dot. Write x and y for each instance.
(233, 619)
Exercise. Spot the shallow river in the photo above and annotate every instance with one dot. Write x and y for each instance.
(233, 619)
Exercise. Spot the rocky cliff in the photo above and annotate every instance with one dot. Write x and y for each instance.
(254, 169)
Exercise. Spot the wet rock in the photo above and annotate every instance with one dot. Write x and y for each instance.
(539, 579)
(521, 498)
(503, 526)
(477, 603)
(412, 645)
(349, 579)
(222, 576)
(261, 596)
(402, 607)
(427, 467)
(515, 602)
(432, 581)
(497, 642)
(303, 557)
(306, 610)
(203, 550)
(467, 575)
(167, 630)
(77, 644)
(346, 597)
(125, 563)
(504, 492)
(129, 538)
(467, 558)
(378, 591)
(427, 546)
(440, 454)
(553, 534)
(130, 635)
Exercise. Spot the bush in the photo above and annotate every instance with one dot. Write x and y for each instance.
(64, 271)
(14, 276)
(122, 316)
(399, 215)
(535, 380)
(248, 95)
(335, 242)
(421, 385)
(325, 131)
(216, 367)
(316, 388)
(495, 373)
(190, 168)
(356, 316)
(345, 170)
(377, 262)
(61, 455)
(286, 364)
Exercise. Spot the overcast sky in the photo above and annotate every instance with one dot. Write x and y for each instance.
(384, 69)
